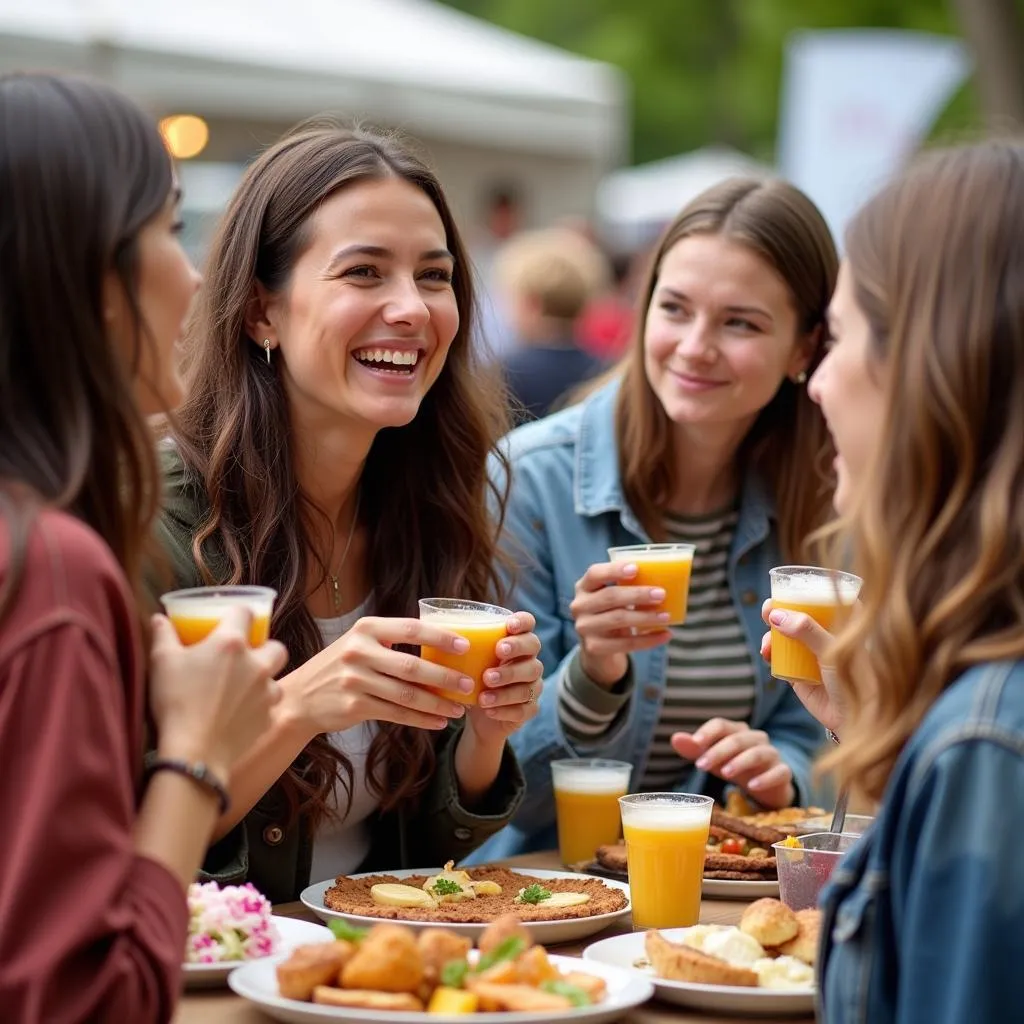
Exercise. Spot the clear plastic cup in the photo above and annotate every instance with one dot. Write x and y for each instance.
(587, 791)
(195, 613)
(804, 870)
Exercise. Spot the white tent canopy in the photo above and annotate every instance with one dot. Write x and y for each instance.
(415, 63)
(636, 202)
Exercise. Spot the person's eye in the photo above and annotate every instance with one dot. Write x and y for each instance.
(439, 275)
(742, 324)
(177, 227)
(670, 307)
(365, 272)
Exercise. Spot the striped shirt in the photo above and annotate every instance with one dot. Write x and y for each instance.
(710, 672)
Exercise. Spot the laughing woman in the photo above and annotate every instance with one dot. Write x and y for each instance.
(333, 445)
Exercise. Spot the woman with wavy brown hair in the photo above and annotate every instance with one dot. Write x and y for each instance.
(94, 291)
(333, 445)
(923, 391)
(704, 435)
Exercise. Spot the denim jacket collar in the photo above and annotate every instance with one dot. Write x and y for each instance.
(598, 485)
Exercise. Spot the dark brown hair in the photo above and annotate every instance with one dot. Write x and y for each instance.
(425, 486)
(82, 171)
(938, 532)
(788, 442)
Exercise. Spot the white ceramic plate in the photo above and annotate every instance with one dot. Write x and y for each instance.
(730, 889)
(545, 932)
(624, 951)
(293, 933)
(257, 982)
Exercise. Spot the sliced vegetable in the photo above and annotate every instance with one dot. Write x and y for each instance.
(346, 931)
(509, 949)
(573, 993)
(453, 1001)
(734, 846)
(453, 974)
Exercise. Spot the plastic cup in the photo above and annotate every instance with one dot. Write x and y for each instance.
(824, 595)
(666, 837)
(587, 792)
(195, 613)
(483, 625)
(661, 565)
(804, 869)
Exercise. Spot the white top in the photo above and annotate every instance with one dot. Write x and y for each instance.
(342, 842)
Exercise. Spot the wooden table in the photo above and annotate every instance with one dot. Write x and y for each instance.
(224, 1007)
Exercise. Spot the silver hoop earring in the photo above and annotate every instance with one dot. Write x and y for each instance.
(801, 377)
(266, 348)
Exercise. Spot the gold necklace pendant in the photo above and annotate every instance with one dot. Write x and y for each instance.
(335, 593)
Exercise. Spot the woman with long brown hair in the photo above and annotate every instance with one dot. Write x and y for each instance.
(94, 289)
(334, 445)
(923, 392)
(704, 434)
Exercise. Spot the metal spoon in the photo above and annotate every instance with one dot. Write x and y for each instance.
(839, 816)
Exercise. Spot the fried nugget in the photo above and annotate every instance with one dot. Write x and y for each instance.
(438, 946)
(387, 960)
(612, 856)
(534, 967)
(505, 927)
(594, 986)
(770, 922)
(365, 999)
(516, 998)
(310, 966)
(676, 962)
(804, 946)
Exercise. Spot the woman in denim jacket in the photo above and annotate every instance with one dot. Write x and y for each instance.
(705, 434)
(924, 395)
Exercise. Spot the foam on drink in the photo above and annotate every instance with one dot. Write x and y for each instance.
(655, 817)
(215, 608)
(592, 780)
(816, 589)
(467, 618)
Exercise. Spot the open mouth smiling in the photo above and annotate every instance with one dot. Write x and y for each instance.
(398, 362)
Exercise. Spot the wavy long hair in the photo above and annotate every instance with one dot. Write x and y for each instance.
(82, 171)
(937, 531)
(425, 487)
(788, 441)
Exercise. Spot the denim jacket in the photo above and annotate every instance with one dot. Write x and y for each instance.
(566, 508)
(924, 917)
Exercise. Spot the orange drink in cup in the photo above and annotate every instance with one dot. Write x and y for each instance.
(666, 836)
(195, 613)
(661, 565)
(587, 792)
(822, 594)
(483, 625)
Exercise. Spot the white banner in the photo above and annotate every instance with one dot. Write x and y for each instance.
(855, 104)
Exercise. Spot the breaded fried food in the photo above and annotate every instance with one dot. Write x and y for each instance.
(804, 946)
(516, 998)
(770, 922)
(764, 866)
(612, 856)
(366, 999)
(505, 927)
(676, 962)
(738, 876)
(760, 834)
(387, 960)
(437, 947)
(310, 966)
(594, 986)
(534, 967)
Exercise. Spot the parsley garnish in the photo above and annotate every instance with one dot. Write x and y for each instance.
(453, 974)
(534, 894)
(346, 931)
(446, 887)
(509, 949)
(576, 995)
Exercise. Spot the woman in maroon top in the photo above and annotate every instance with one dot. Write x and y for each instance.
(94, 287)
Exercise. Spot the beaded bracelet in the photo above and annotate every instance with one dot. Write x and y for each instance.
(197, 772)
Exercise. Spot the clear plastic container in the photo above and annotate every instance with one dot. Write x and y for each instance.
(804, 869)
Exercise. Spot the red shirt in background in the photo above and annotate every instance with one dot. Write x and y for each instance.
(89, 930)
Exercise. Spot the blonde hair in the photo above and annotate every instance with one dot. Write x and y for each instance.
(788, 442)
(557, 267)
(938, 532)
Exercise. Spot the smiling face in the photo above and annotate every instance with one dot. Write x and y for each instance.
(847, 388)
(720, 334)
(364, 326)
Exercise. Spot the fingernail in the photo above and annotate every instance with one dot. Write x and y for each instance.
(702, 762)
(727, 773)
(492, 677)
(456, 710)
(439, 723)
(504, 648)
(460, 644)
(777, 618)
(466, 685)
(663, 616)
(657, 594)
(514, 623)
(487, 699)
(629, 570)
(493, 713)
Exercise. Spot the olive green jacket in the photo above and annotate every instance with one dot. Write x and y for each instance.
(276, 857)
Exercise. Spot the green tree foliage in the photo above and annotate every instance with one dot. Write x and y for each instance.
(707, 71)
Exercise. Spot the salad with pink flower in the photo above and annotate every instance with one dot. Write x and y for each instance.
(232, 923)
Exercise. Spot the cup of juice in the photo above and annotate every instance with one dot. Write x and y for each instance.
(666, 836)
(661, 565)
(483, 625)
(587, 792)
(195, 613)
(823, 594)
